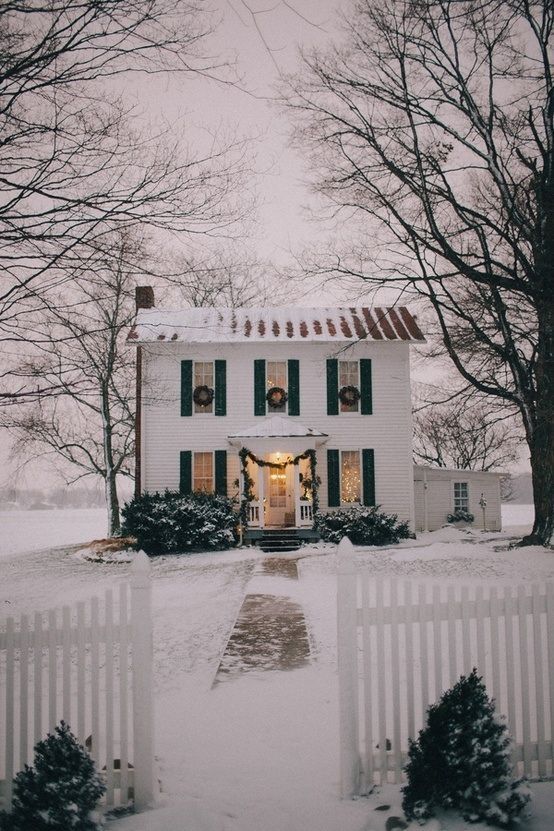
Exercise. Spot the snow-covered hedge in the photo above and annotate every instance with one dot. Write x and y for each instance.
(169, 523)
(461, 761)
(363, 526)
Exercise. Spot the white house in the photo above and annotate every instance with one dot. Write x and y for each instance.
(266, 403)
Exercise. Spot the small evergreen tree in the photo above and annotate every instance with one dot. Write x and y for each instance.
(362, 525)
(60, 792)
(461, 760)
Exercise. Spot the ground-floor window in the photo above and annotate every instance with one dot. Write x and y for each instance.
(203, 472)
(461, 496)
(350, 476)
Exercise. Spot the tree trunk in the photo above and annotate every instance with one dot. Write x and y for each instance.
(541, 442)
(112, 501)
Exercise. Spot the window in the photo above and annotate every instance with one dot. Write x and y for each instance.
(349, 376)
(350, 476)
(203, 476)
(203, 377)
(277, 487)
(461, 496)
(276, 376)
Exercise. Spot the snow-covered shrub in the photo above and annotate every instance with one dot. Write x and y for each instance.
(61, 790)
(170, 522)
(363, 526)
(460, 515)
(461, 760)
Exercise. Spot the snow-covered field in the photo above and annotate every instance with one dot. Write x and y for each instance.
(23, 531)
(260, 752)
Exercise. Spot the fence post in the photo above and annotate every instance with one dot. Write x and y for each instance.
(347, 658)
(143, 709)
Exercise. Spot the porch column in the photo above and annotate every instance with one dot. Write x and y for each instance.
(296, 474)
(261, 488)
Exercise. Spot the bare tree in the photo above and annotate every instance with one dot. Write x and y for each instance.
(73, 164)
(433, 130)
(467, 434)
(80, 352)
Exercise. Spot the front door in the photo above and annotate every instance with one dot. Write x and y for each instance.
(279, 502)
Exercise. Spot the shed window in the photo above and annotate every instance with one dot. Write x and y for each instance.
(350, 476)
(461, 496)
(203, 478)
(349, 376)
(203, 377)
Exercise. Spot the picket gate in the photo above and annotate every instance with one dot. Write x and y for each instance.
(402, 643)
(90, 665)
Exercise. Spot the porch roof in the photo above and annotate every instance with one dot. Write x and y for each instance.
(277, 427)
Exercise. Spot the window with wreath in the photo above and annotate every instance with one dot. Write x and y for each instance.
(350, 476)
(461, 496)
(276, 383)
(203, 472)
(349, 386)
(203, 386)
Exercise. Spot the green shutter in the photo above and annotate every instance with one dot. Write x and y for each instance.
(366, 400)
(186, 388)
(220, 463)
(220, 388)
(332, 386)
(294, 387)
(368, 476)
(185, 471)
(333, 479)
(259, 387)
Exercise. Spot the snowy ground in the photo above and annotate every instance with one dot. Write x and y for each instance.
(24, 531)
(260, 752)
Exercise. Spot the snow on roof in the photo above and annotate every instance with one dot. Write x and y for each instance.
(209, 325)
(276, 427)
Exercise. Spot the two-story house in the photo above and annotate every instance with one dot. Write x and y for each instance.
(295, 403)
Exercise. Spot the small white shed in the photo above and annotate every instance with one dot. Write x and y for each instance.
(440, 491)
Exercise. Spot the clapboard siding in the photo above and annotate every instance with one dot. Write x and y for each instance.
(387, 431)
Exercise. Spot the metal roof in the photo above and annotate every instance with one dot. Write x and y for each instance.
(277, 427)
(219, 325)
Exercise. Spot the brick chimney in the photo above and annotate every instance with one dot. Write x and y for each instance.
(144, 297)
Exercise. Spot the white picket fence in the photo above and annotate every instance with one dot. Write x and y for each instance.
(91, 666)
(401, 644)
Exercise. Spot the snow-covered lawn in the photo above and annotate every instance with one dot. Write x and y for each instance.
(24, 531)
(260, 752)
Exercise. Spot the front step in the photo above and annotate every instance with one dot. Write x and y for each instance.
(279, 541)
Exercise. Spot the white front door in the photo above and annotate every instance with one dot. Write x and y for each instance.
(279, 501)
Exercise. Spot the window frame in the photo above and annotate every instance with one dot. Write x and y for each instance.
(360, 499)
(358, 409)
(271, 410)
(195, 453)
(460, 507)
(203, 412)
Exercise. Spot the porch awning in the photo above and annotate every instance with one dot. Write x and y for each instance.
(277, 427)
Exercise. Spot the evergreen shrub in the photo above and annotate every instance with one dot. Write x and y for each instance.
(60, 792)
(460, 515)
(461, 761)
(171, 522)
(362, 525)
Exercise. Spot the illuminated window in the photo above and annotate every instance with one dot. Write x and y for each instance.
(461, 496)
(351, 482)
(349, 376)
(203, 472)
(204, 377)
(277, 487)
(276, 376)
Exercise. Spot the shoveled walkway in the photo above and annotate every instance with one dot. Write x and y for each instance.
(270, 630)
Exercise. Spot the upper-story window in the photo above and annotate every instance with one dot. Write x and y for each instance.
(461, 496)
(349, 386)
(276, 383)
(203, 387)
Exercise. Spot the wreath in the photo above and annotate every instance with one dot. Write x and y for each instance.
(276, 397)
(203, 395)
(349, 395)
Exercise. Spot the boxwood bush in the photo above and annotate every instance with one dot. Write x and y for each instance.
(363, 526)
(171, 522)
